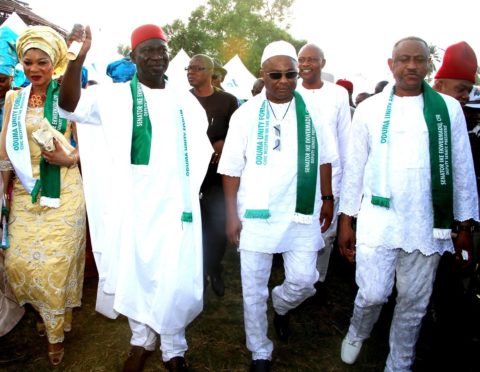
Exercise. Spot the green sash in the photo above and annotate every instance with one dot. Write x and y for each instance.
(307, 165)
(438, 124)
(49, 182)
(307, 159)
(142, 126)
(439, 135)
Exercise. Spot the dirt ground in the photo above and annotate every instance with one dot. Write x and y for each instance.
(217, 342)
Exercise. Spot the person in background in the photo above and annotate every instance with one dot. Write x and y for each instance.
(219, 106)
(122, 70)
(361, 97)
(405, 200)
(9, 76)
(274, 186)
(348, 85)
(45, 260)
(218, 75)
(257, 86)
(11, 350)
(455, 77)
(152, 152)
(380, 86)
(325, 100)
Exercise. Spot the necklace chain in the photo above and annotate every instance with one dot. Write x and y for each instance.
(36, 100)
(273, 112)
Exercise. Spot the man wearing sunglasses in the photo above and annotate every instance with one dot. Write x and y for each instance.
(276, 164)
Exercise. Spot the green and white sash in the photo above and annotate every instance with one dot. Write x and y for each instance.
(183, 160)
(142, 143)
(438, 124)
(18, 149)
(257, 200)
(142, 126)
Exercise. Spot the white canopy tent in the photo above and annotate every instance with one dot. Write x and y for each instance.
(15, 23)
(176, 70)
(239, 80)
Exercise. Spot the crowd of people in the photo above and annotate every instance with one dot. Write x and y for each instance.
(171, 177)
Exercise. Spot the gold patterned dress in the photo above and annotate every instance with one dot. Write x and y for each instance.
(46, 258)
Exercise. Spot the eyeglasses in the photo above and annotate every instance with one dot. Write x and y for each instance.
(276, 129)
(278, 75)
(194, 68)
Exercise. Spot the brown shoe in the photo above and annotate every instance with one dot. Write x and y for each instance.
(55, 353)
(176, 364)
(136, 359)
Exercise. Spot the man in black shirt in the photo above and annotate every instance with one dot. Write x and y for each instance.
(219, 106)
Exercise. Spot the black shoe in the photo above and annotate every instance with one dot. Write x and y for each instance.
(176, 364)
(260, 365)
(136, 359)
(281, 325)
(218, 285)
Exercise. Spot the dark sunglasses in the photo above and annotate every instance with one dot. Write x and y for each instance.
(278, 75)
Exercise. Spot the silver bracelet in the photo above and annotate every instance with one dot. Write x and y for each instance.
(5, 165)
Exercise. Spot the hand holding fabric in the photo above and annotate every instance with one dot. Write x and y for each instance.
(58, 156)
(81, 35)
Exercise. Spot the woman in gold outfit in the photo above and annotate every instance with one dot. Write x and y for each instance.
(45, 261)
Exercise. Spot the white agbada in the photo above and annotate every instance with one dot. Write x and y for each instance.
(278, 233)
(149, 262)
(331, 101)
(408, 223)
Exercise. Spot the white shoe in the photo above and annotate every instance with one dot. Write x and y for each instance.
(350, 350)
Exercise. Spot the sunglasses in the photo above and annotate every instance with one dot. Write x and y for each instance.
(278, 75)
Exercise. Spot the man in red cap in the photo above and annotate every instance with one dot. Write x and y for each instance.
(147, 156)
(457, 73)
(348, 85)
(455, 77)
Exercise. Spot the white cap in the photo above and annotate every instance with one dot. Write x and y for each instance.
(279, 48)
(474, 99)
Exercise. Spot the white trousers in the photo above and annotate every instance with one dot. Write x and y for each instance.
(375, 277)
(171, 345)
(329, 238)
(300, 276)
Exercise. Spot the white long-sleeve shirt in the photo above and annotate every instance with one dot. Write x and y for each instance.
(408, 223)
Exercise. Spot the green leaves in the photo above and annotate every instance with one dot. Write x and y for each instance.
(224, 28)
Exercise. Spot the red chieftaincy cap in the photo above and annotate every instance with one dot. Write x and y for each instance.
(348, 85)
(459, 62)
(147, 32)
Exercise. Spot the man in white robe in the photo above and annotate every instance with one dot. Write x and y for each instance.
(330, 100)
(261, 164)
(398, 163)
(142, 170)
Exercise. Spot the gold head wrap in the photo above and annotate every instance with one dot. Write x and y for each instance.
(49, 41)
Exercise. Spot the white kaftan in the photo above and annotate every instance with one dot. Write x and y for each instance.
(278, 233)
(150, 263)
(408, 223)
(331, 101)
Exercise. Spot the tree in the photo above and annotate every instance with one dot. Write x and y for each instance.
(124, 50)
(434, 57)
(224, 28)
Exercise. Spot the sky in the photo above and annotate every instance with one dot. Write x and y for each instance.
(356, 36)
